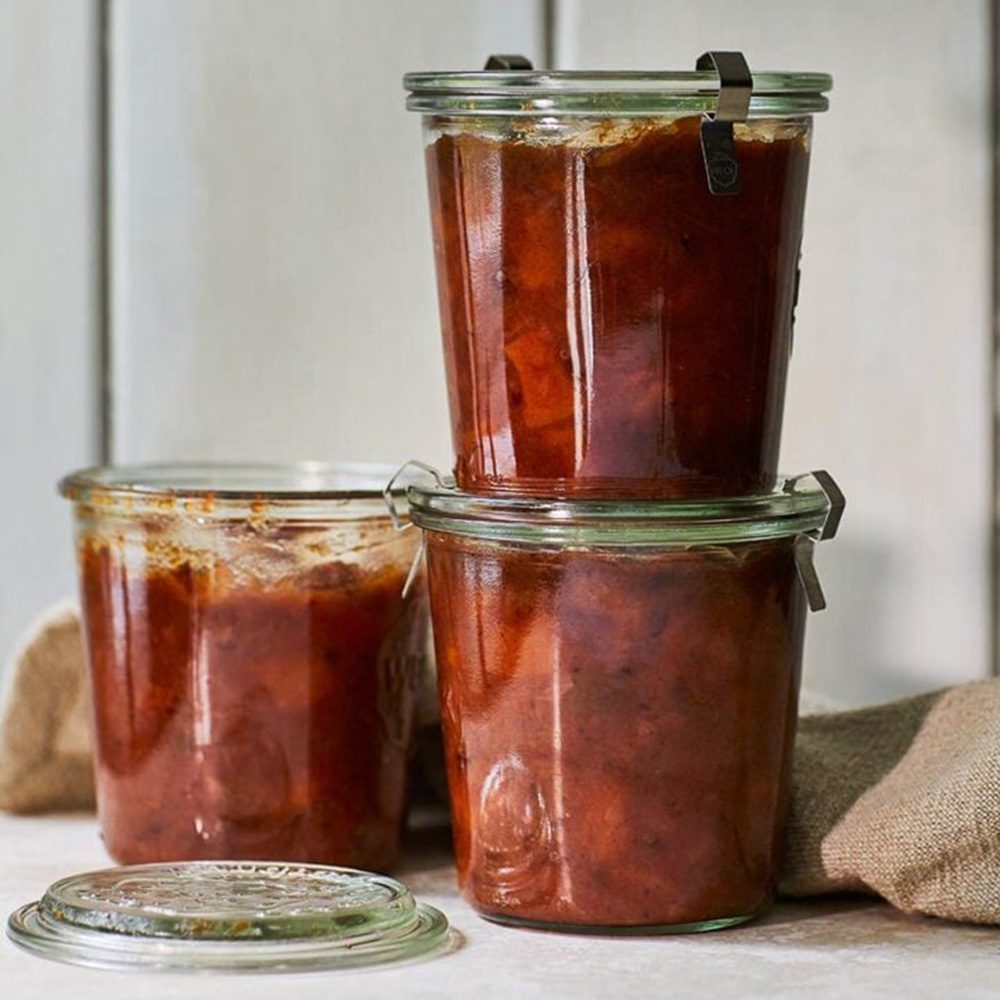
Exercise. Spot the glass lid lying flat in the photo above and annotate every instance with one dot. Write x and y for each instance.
(229, 916)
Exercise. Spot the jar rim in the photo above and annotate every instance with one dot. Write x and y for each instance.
(228, 489)
(810, 503)
(606, 93)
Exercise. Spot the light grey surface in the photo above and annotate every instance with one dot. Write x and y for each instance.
(889, 381)
(834, 949)
(274, 292)
(48, 311)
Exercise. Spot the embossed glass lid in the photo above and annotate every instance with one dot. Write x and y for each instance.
(229, 916)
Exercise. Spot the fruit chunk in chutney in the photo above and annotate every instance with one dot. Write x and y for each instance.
(241, 717)
(618, 726)
(609, 325)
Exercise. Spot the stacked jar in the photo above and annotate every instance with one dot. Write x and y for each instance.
(619, 577)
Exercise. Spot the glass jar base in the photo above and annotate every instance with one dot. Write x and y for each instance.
(619, 930)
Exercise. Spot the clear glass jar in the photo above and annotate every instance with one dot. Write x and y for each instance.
(611, 327)
(252, 660)
(619, 687)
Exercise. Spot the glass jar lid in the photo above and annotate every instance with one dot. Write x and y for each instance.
(228, 916)
(532, 93)
(806, 504)
(300, 490)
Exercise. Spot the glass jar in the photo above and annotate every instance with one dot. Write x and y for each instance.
(611, 326)
(253, 662)
(619, 686)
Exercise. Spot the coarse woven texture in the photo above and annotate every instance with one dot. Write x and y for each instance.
(45, 749)
(902, 800)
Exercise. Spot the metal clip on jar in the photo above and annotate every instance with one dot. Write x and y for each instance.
(619, 686)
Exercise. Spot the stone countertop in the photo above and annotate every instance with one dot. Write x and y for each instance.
(837, 948)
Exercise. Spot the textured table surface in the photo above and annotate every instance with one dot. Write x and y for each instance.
(839, 948)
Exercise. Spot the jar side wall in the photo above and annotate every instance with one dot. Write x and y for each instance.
(249, 714)
(609, 326)
(617, 727)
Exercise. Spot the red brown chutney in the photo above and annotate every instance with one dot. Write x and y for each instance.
(610, 327)
(243, 719)
(618, 727)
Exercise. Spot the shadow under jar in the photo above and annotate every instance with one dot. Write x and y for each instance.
(610, 326)
(253, 663)
(619, 687)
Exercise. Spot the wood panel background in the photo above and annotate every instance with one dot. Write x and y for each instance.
(889, 386)
(49, 292)
(272, 289)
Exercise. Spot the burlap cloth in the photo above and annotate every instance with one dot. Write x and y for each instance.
(900, 800)
(45, 758)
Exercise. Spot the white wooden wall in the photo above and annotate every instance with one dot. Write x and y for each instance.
(49, 419)
(889, 381)
(273, 293)
(274, 288)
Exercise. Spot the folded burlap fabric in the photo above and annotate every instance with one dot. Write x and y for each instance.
(900, 800)
(45, 756)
